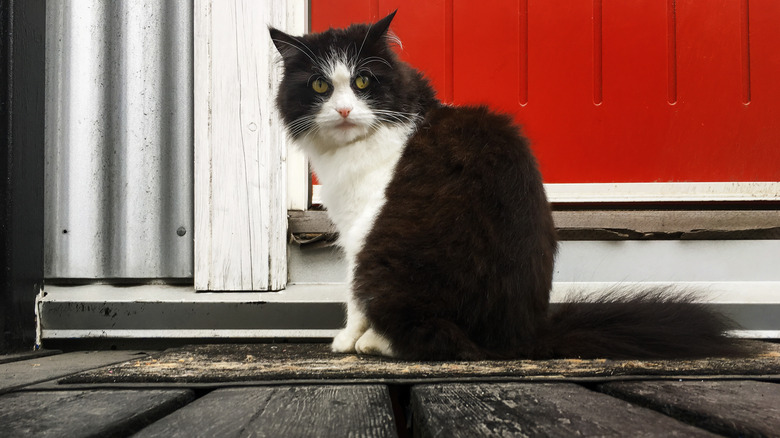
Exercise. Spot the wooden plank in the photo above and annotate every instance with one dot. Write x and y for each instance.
(296, 362)
(541, 409)
(240, 148)
(15, 357)
(26, 372)
(322, 411)
(86, 413)
(735, 408)
(667, 224)
(623, 224)
(312, 221)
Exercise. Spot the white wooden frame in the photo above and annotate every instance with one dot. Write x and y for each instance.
(664, 192)
(240, 148)
(630, 192)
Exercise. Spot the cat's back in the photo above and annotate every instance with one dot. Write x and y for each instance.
(469, 150)
(471, 132)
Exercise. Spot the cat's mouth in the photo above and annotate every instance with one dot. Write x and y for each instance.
(346, 125)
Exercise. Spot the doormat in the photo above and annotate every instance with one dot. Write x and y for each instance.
(269, 363)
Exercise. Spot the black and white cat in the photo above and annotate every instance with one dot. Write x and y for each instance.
(444, 221)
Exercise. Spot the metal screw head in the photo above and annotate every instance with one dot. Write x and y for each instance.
(181, 231)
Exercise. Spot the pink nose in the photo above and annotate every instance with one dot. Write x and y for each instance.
(344, 112)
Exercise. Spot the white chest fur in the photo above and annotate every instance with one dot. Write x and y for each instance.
(354, 178)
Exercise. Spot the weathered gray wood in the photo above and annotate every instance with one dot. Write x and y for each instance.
(735, 408)
(26, 372)
(295, 362)
(538, 409)
(685, 224)
(85, 413)
(285, 411)
(622, 224)
(15, 357)
(312, 221)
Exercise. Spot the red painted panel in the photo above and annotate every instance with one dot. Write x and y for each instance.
(561, 119)
(607, 90)
(486, 65)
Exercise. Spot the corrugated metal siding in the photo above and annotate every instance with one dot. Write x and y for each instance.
(119, 139)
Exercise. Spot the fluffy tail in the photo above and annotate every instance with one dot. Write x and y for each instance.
(654, 324)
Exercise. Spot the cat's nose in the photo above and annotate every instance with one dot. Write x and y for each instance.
(344, 112)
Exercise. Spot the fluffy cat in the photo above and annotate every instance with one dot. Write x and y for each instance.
(444, 221)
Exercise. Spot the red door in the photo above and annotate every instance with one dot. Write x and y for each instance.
(608, 91)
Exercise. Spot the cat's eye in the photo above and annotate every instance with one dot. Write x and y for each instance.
(320, 86)
(361, 82)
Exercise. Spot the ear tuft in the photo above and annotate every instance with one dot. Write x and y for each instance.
(379, 29)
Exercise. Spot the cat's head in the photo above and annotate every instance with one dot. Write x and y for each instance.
(342, 84)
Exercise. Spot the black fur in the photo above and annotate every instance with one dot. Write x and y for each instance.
(459, 262)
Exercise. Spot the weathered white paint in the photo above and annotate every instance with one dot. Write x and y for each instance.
(753, 300)
(664, 192)
(297, 179)
(240, 147)
(619, 261)
(634, 192)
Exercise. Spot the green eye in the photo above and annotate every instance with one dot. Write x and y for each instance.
(361, 82)
(319, 86)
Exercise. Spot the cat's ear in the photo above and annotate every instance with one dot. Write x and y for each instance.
(287, 45)
(379, 29)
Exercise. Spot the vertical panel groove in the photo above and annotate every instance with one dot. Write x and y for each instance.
(745, 50)
(598, 70)
(671, 52)
(523, 51)
(449, 49)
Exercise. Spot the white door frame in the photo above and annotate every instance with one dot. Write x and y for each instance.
(240, 146)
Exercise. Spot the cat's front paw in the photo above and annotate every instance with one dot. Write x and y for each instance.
(373, 343)
(345, 341)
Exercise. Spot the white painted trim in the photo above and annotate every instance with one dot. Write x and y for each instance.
(715, 292)
(297, 179)
(712, 292)
(152, 293)
(240, 146)
(297, 163)
(664, 192)
(161, 304)
(649, 192)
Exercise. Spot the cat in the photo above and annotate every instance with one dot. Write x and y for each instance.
(444, 221)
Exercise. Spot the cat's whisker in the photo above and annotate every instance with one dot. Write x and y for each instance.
(372, 59)
(309, 55)
(397, 116)
(301, 124)
(360, 50)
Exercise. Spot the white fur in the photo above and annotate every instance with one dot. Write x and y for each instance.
(354, 158)
(372, 342)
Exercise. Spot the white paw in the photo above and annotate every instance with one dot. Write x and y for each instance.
(344, 342)
(373, 343)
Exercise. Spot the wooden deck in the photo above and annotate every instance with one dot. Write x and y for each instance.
(74, 394)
